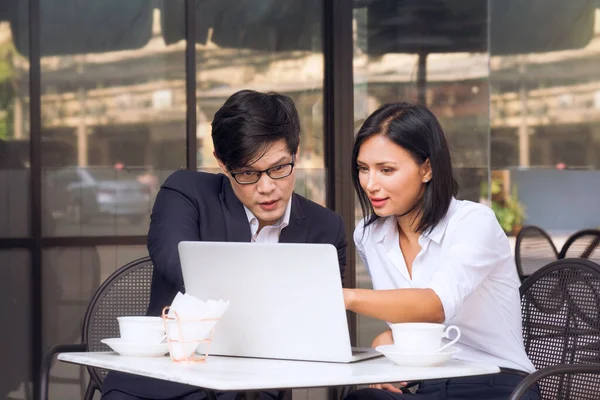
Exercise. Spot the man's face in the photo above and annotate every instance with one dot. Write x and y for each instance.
(267, 198)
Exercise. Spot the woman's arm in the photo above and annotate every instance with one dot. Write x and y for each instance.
(399, 305)
(473, 249)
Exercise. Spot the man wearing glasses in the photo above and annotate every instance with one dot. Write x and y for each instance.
(256, 138)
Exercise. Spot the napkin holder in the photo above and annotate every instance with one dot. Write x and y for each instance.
(182, 341)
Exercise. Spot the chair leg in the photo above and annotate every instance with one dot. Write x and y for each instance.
(47, 365)
(89, 391)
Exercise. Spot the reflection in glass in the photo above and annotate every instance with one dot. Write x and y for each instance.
(434, 53)
(275, 46)
(545, 124)
(15, 264)
(14, 135)
(70, 279)
(113, 115)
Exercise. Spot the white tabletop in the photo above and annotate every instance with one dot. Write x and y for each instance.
(240, 374)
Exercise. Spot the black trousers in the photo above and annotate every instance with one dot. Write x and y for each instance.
(122, 386)
(483, 387)
(196, 395)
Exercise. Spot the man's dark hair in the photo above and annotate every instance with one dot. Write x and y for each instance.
(249, 122)
(416, 130)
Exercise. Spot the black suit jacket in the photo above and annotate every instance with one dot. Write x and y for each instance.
(197, 206)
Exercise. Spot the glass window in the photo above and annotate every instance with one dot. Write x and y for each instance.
(113, 114)
(545, 125)
(276, 46)
(437, 56)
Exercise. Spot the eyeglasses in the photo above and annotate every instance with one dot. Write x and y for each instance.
(276, 172)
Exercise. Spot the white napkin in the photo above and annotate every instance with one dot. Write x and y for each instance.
(196, 320)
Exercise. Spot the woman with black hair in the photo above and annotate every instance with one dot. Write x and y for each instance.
(433, 258)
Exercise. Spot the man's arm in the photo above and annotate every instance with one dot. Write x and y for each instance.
(174, 219)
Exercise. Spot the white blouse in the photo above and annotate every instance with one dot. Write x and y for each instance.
(467, 261)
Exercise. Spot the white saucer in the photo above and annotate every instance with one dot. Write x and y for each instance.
(137, 349)
(416, 360)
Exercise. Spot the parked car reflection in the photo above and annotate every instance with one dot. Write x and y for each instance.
(81, 194)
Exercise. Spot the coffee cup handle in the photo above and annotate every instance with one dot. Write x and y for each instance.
(447, 336)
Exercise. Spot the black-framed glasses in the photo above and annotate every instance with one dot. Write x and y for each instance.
(276, 172)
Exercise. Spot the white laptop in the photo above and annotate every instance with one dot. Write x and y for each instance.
(286, 300)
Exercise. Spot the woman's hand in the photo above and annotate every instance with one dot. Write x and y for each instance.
(383, 339)
(388, 386)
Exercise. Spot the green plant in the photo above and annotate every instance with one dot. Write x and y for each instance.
(7, 88)
(510, 215)
(508, 210)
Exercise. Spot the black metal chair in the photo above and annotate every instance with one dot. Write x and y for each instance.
(561, 330)
(125, 292)
(533, 249)
(583, 244)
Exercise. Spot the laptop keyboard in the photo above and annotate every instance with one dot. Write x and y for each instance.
(357, 352)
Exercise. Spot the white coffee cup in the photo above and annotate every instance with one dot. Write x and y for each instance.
(422, 337)
(149, 330)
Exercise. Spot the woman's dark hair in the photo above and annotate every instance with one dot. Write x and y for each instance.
(249, 122)
(416, 130)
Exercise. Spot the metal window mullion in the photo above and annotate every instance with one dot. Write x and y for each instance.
(35, 190)
(338, 89)
(190, 85)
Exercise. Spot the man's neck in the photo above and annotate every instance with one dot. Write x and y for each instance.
(284, 219)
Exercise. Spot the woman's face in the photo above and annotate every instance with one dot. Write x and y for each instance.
(390, 176)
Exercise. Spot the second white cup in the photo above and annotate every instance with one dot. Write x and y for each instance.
(422, 337)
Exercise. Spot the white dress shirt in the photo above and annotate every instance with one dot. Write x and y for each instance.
(467, 261)
(269, 233)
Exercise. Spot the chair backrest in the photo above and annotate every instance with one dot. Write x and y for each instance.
(583, 244)
(125, 292)
(561, 324)
(533, 249)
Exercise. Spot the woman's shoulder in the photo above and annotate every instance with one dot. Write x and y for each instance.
(474, 217)
(470, 209)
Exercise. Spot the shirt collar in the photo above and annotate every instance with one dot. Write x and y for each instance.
(383, 227)
(384, 230)
(437, 232)
(280, 223)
